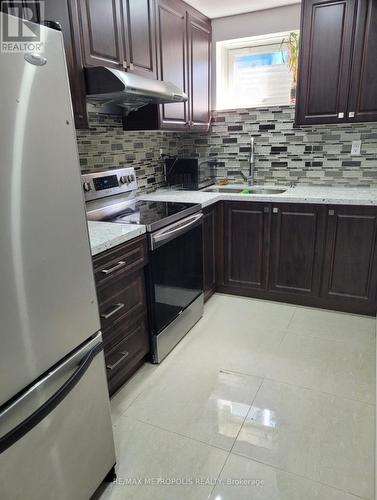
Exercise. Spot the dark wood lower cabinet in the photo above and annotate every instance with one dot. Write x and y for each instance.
(306, 254)
(209, 251)
(297, 248)
(120, 280)
(350, 274)
(246, 231)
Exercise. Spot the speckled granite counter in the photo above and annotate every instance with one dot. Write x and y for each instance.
(298, 194)
(105, 235)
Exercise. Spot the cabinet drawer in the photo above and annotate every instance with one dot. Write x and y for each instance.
(122, 259)
(122, 357)
(121, 299)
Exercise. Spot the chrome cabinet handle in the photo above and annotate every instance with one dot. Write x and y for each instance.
(125, 64)
(331, 212)
(118, 361)
(131, 66)
(351, 114)
(266, 210)
(117, 308)
(275, 210)
(340, 115)
(120, 264)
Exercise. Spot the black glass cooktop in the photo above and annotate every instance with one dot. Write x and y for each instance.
(153, 214)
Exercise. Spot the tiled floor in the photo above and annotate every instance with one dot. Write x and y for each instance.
(261, 401)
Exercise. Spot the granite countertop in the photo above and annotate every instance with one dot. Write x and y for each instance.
(105, 235)
(326, 195)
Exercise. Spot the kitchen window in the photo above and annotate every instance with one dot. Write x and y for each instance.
(253, 72)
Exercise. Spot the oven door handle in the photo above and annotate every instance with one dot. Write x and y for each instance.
(164, 235)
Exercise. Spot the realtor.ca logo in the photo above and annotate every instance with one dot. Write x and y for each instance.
(22, 33)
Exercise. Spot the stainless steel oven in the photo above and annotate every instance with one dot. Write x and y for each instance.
(174, 231)
(175, 282)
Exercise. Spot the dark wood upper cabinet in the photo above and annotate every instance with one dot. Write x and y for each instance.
(138, 18)
(65, 13)
(337, 70)
(172, 59)
(199, 52)
(247, 233)
(362, 105)
(325, 61)
(350, 256)
(297, 248)
(101, 32)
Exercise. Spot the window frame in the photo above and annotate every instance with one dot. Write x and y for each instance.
(226, 50)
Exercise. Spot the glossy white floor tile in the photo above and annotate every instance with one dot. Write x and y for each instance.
(315, 435)
(244, 479)
(159, 465)
(256, 390)
(209, 407)
(333, 325)
(345, 369)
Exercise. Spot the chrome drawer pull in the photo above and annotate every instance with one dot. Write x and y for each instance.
(122, 358)
(115, 268)
(117, 308)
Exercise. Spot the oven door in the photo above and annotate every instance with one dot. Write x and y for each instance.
(176, 270)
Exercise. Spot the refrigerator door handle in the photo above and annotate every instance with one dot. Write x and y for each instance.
(48, 406)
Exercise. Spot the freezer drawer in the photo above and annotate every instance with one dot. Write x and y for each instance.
(56, 440)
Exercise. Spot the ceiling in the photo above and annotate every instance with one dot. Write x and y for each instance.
(222, 8)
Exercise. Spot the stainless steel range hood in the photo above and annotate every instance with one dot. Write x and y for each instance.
(127, 90)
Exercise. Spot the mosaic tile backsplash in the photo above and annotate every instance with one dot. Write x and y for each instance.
(105, 145)
(317, 155)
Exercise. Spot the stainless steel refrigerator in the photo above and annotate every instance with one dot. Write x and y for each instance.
(56, 438)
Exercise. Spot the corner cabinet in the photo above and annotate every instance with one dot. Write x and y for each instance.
(337, 70)
(184, 58)
(172, 59)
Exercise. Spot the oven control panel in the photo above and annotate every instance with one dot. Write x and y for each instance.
(100, 184)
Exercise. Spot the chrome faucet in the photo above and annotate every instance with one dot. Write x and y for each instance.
(250, 179)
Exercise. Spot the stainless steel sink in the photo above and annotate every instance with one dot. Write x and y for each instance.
(245, 190)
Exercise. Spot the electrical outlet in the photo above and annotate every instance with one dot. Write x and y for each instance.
(356, 148)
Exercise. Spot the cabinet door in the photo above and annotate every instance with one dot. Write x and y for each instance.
(209, 251)
(350, 256)
(247, 229)
(172, 59)
(363, 94)
(297, 248)
(199, 50)
(139, 36)
(325, 61)
(65, 13)
(101, 32)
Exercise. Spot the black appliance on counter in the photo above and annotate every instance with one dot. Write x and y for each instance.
(190, 173)
(175, 271)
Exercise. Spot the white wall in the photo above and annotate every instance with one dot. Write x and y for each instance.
(257, 23)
